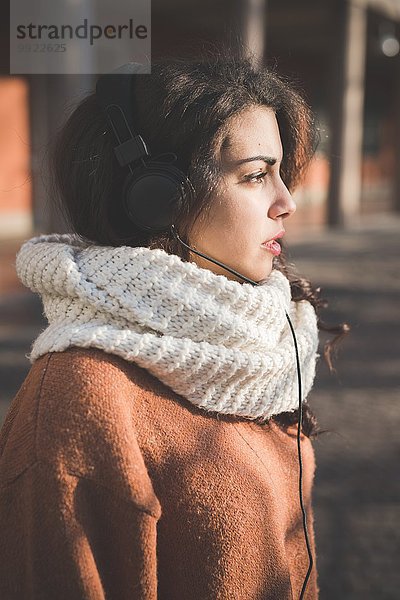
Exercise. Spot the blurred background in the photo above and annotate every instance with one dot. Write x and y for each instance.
(344, 236)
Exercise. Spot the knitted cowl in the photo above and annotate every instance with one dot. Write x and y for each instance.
(223, 345)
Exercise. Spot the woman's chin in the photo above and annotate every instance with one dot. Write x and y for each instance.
(263, 279)
(264, 271)
(258, 276)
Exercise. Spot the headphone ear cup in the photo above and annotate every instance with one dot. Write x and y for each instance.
(153, 194)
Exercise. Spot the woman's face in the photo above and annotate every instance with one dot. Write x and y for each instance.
(252, 203)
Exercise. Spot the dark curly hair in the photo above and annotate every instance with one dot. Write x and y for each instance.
(185, 106)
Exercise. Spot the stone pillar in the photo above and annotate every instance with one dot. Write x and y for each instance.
(52, 98)
(396, 203)
(251, 19)
(347, 112)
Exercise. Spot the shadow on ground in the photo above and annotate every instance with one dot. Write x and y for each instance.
(357, 483)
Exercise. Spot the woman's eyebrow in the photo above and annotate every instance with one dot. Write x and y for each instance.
(268, 159)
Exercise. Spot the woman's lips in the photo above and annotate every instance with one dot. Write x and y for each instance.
(272, 245)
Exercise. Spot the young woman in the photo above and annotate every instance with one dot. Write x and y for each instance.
(151, 450)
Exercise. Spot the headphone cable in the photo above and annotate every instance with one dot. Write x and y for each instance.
(248, 280)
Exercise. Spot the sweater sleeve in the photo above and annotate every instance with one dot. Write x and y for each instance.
(67, 537)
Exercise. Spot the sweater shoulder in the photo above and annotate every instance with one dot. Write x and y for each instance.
(76, 411)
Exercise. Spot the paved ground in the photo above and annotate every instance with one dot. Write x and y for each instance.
(357, 486)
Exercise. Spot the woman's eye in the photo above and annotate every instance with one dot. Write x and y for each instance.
(256, 177)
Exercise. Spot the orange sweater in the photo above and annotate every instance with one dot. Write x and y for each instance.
(113, 486)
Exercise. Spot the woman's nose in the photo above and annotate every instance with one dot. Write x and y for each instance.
(283, 206)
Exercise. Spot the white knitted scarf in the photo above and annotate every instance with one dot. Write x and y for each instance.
(223, 345)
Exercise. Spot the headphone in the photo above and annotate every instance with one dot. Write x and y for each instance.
(154, 192)
(154, 189)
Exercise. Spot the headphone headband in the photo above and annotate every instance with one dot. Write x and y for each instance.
(155, 189)
(115, 95)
